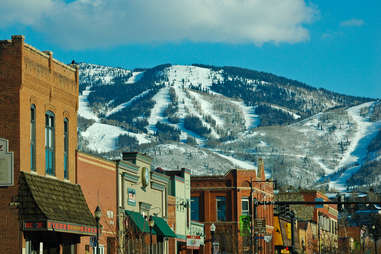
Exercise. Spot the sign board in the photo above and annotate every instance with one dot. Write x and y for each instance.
(260, 225)
(244, 225)
(131, 197)
(319, 205)
(268, 238)
(6, 164)
(193, 242)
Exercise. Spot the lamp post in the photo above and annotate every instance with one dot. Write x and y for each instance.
(97, 214)
(151, 223)
(212, 229)
(374, 238)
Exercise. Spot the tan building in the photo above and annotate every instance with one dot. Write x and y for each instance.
(142, 197)
(41, 206)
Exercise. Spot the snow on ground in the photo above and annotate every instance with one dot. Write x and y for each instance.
(136, 76)
(207, 108)
(84, 110)
(251, 119)
(239, 163)
(357, 151)
(186, 107)
(104, 137)
(162, 100)
(126, 104)
(295, 116)
(192, 75)
(102, 74)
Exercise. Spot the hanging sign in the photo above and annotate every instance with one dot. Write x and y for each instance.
(6, 164)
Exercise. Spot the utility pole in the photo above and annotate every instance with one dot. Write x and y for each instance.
(251, 216)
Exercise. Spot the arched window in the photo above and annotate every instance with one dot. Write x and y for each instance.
(33, 137)
(49, 143)
(66, 148)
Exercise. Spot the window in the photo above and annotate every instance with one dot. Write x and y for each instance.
(66, 148)
(221, 208)
(245, 206)
(195, 208)
(49, 143)
(33, 137)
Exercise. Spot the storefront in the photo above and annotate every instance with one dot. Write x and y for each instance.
(54, 215)
(143, 203)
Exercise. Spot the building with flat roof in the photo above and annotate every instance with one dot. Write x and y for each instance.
(224, 201)
(42, 208)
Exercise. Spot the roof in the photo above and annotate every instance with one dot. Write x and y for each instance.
(45, 198)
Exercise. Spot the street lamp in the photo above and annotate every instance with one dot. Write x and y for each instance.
(374, 238)
(97, 214)
(212, 229)
(151, 223)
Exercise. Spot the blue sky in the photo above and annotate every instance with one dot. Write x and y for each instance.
(331, 44)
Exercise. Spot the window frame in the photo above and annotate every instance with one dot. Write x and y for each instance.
(50, 143)
(247, 212)
(33, 137)
(66, 148)
(218, 213)
(195, 209)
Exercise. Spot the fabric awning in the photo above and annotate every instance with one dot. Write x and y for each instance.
(140, 223)
(162, 227)
(54, 205)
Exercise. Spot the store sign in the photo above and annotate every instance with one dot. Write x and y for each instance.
(193, 242)
(59, 227)
(6, 164)
(131, 197)
(244, 225)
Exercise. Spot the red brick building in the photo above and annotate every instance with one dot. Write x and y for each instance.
(222, 200)
(41, 206)
(97, 178)
(325, 233)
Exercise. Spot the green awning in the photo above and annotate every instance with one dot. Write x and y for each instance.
(140, 223)
(162, 227)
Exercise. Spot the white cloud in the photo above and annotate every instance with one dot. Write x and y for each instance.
(352, 22)
(101, 23)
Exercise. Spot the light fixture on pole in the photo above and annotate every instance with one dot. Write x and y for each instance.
(375, 238)
(151, 223)
(97, 214)
(212, 229)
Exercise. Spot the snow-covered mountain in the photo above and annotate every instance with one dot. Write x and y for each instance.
(211, 119)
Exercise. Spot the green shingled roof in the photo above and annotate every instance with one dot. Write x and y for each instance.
(44, 198)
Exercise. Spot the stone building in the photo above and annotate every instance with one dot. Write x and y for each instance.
(224, 201)
(41, 206)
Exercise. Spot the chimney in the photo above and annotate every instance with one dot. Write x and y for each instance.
(261, 169)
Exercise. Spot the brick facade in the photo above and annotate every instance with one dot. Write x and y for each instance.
(234, 186)
(97, 178)
(31, 77)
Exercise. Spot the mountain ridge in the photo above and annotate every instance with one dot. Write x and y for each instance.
(206, 108)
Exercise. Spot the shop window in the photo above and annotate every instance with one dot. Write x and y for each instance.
(244, 206)
(66, 148)
(221, 208)
(49, 143)
(33, 137)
